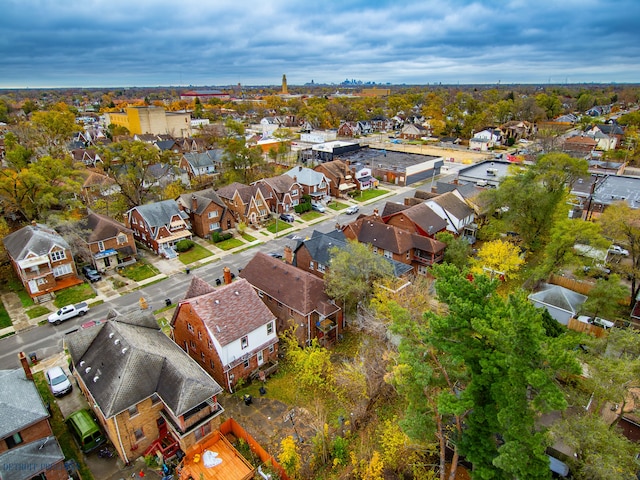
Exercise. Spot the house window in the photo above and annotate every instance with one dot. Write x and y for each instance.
(58, 255)
(261, 294)
(269, 328)
(246, 364)
(214, 226)
(310, 265)
(213, 214)
(62, 270)
(409, 255)
(190, 327)
(101, 245)
(202, 431)
(375, 249)
(202, 356)
(388, 254)
(294, 192)
(271, 349)
(193, 345)
(210, 345)
(244, 342)
(42, 281)
(263, 212)
(294, 202)
(422, 269)
(122, 239)
(139, 434)
(199, 335)
(14, 440)
(133, 411)
(279, 305)
(212, 365)
(155, 399)
(321, 268)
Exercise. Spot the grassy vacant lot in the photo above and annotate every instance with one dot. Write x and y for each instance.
(140, 270)
(5, 320)
(197, 252)
(278, 226)
(60, 430)
(37, 311)
(365, 195)
(71, 295)
(229, 244)
(16, 287)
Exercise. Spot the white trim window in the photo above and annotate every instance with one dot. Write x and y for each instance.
(213, 214)
(58, 255)
(62, 270)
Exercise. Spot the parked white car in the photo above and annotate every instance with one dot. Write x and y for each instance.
(618, 250)
(58, 381)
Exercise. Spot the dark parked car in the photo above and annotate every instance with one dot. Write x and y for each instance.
(91, 273)
(287, 217)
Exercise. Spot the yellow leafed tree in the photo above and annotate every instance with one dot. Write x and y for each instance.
(498, 259)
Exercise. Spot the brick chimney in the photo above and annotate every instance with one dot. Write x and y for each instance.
(375, 212)
(226, 272)
(288, 255)
(25, 365)
(194, 203)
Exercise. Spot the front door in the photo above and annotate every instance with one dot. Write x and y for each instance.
(260, 358)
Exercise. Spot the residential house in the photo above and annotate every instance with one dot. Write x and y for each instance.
(579, 146)
(313, 255)
(111, 243)
(143, 389)
(282, 193)
(453, 209)
(349, 129)
(297, 298)
(419, 219)
(159, 226)
(229, 331)
(42, 259)
(396, 243)
(413, 131)
(340, 177)
(88, 157)
(248, 203)
(207, 212)
(561, 303)
(485, 139)
(315, 184)
(516, 130)
(28, 449)
(197, 164)
(168, 145)
(607, 135)
(98, 186)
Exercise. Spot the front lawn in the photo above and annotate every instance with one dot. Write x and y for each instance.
(337, 206)
(370, 194)
(278, 226)
(73, 295)
(195, 253)
(5, 320)
(16, 287)
(312, 215)
(248, 238)
(139, 271)
(37, 311)
(60, 431)
(229, 244)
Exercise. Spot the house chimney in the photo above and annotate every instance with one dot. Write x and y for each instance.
(375, 212)
(288, 255)
(25, 365)
(300, 168)
(194, 203)
(226, 272)
(34, 224)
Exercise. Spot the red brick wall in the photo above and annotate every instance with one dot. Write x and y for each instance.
(30, 434)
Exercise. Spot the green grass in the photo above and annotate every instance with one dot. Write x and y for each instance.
(16, 287)
(37, 311)
(337, 206)
(5, 319)
(248, 238)
(278, 226)
(198, 252)
(312, 215)
(139, 271)
(370, 194)
(60, 430)
(229, 244)
(75, 294)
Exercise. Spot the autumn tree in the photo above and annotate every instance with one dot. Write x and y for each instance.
(53, 129)
(564, 234)
(605, 297)
(311, 366)
(289, 457)
(457, 251)
(498, 258)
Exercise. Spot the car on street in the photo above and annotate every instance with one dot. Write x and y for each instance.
(58, 381)
(618, 250)
(287, 217)
(67, 312)
(352, 210)
(318, 208)
(91, 274)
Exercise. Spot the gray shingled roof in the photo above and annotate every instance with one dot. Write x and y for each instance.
(130, 359)
(158, 214)
(452, 204)
(559, 297)
(203, 199)
(27, 461)
(102, 227)
(20, 402)
(231, 312)
(281, 184)
(38, 239)
(306, 176)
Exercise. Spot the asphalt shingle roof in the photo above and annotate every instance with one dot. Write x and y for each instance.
(38, 239)
(27, 461)
(160, 213)
(20, 402)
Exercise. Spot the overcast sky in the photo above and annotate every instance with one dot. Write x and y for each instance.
(98, 43)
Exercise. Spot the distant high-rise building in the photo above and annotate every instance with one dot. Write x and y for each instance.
(285, 91)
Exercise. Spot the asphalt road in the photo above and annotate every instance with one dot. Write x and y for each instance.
(47, 340)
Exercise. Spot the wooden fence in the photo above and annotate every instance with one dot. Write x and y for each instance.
(572, 284)
(587, 328)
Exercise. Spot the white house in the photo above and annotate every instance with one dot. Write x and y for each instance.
(485, 139)
(452, 208)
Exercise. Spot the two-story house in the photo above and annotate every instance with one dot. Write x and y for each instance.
(452, 208)
(227, 330)
(111, 243)
(207, 212)
(248, 203)
(297, 298)
(419, 218)
(28, 448)
(315, 184)
(42, 259)
(159, 226)
(200, 164)
(142, 387)
(485, 139)
(281, 192)
(340, 177)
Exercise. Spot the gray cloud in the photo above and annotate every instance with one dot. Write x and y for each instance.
(157, 42)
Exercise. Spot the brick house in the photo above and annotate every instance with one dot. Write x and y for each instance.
(207, 212)
(297, 298)
(28, 448)
(315, 184)
(42, 259)
(159, 226)
(282, 193)
(227, 330)
(401, 245)
(248, 203)
(340, 177)
(419, 218)
(453, 209)
(142, 387)
(111, 243)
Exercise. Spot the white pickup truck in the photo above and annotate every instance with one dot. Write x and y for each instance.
(67, 312)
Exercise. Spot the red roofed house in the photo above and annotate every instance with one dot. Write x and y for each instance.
(227, 330)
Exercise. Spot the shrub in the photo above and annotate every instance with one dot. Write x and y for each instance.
(184, 245)
(220, 237)
(302, 207)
